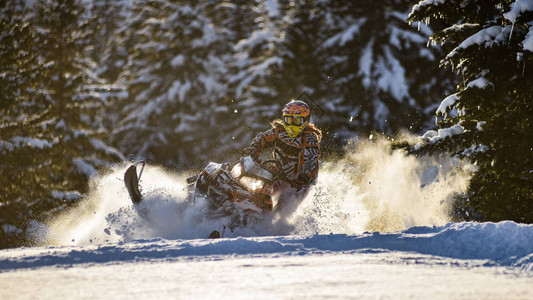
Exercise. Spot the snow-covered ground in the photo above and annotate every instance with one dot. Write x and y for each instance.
(375, 226)
(455, 261)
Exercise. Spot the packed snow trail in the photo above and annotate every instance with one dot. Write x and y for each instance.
(369, 189)
(491, 244)
(359, 274)
(454, 261)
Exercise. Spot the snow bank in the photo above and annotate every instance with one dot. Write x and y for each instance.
(498, 244)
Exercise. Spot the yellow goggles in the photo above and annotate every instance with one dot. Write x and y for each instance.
(293, 120)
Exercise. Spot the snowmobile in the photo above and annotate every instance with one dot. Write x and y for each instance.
(240, 191)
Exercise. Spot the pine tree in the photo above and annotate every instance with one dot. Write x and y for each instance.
(78, 110)
(273, 62)
(360, 61)
(18, 61)
(489, 119)
(22, 107)
(265, 53)
(174, 79)
(51, 128)
(378, 70)
(107, 22)
(235, 21)
(262, 81)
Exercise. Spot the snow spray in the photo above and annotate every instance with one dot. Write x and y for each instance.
(107, 214)
(372, 188)
(369, 188)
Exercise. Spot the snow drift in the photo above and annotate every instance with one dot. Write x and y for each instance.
(493, 244)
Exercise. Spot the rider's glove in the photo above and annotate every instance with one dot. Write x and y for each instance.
(296, 185)
(301, 182)
(250, 151)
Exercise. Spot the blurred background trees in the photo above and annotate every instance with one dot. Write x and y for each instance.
(52, 137)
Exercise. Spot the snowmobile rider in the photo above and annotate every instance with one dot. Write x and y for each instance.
(296, 144)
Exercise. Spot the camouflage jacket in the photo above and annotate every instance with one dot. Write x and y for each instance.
(298, 156)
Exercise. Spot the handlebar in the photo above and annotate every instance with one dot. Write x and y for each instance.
(277, 165)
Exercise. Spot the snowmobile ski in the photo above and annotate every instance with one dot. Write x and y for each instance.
(132, 185)
(214, 235)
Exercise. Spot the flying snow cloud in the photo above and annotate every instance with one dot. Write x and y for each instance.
(370, 188)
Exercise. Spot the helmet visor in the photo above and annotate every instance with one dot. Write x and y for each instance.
(293, 120)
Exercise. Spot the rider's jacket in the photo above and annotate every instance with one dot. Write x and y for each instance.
(298, 155)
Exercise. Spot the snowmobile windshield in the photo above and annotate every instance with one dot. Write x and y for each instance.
(251, 168)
